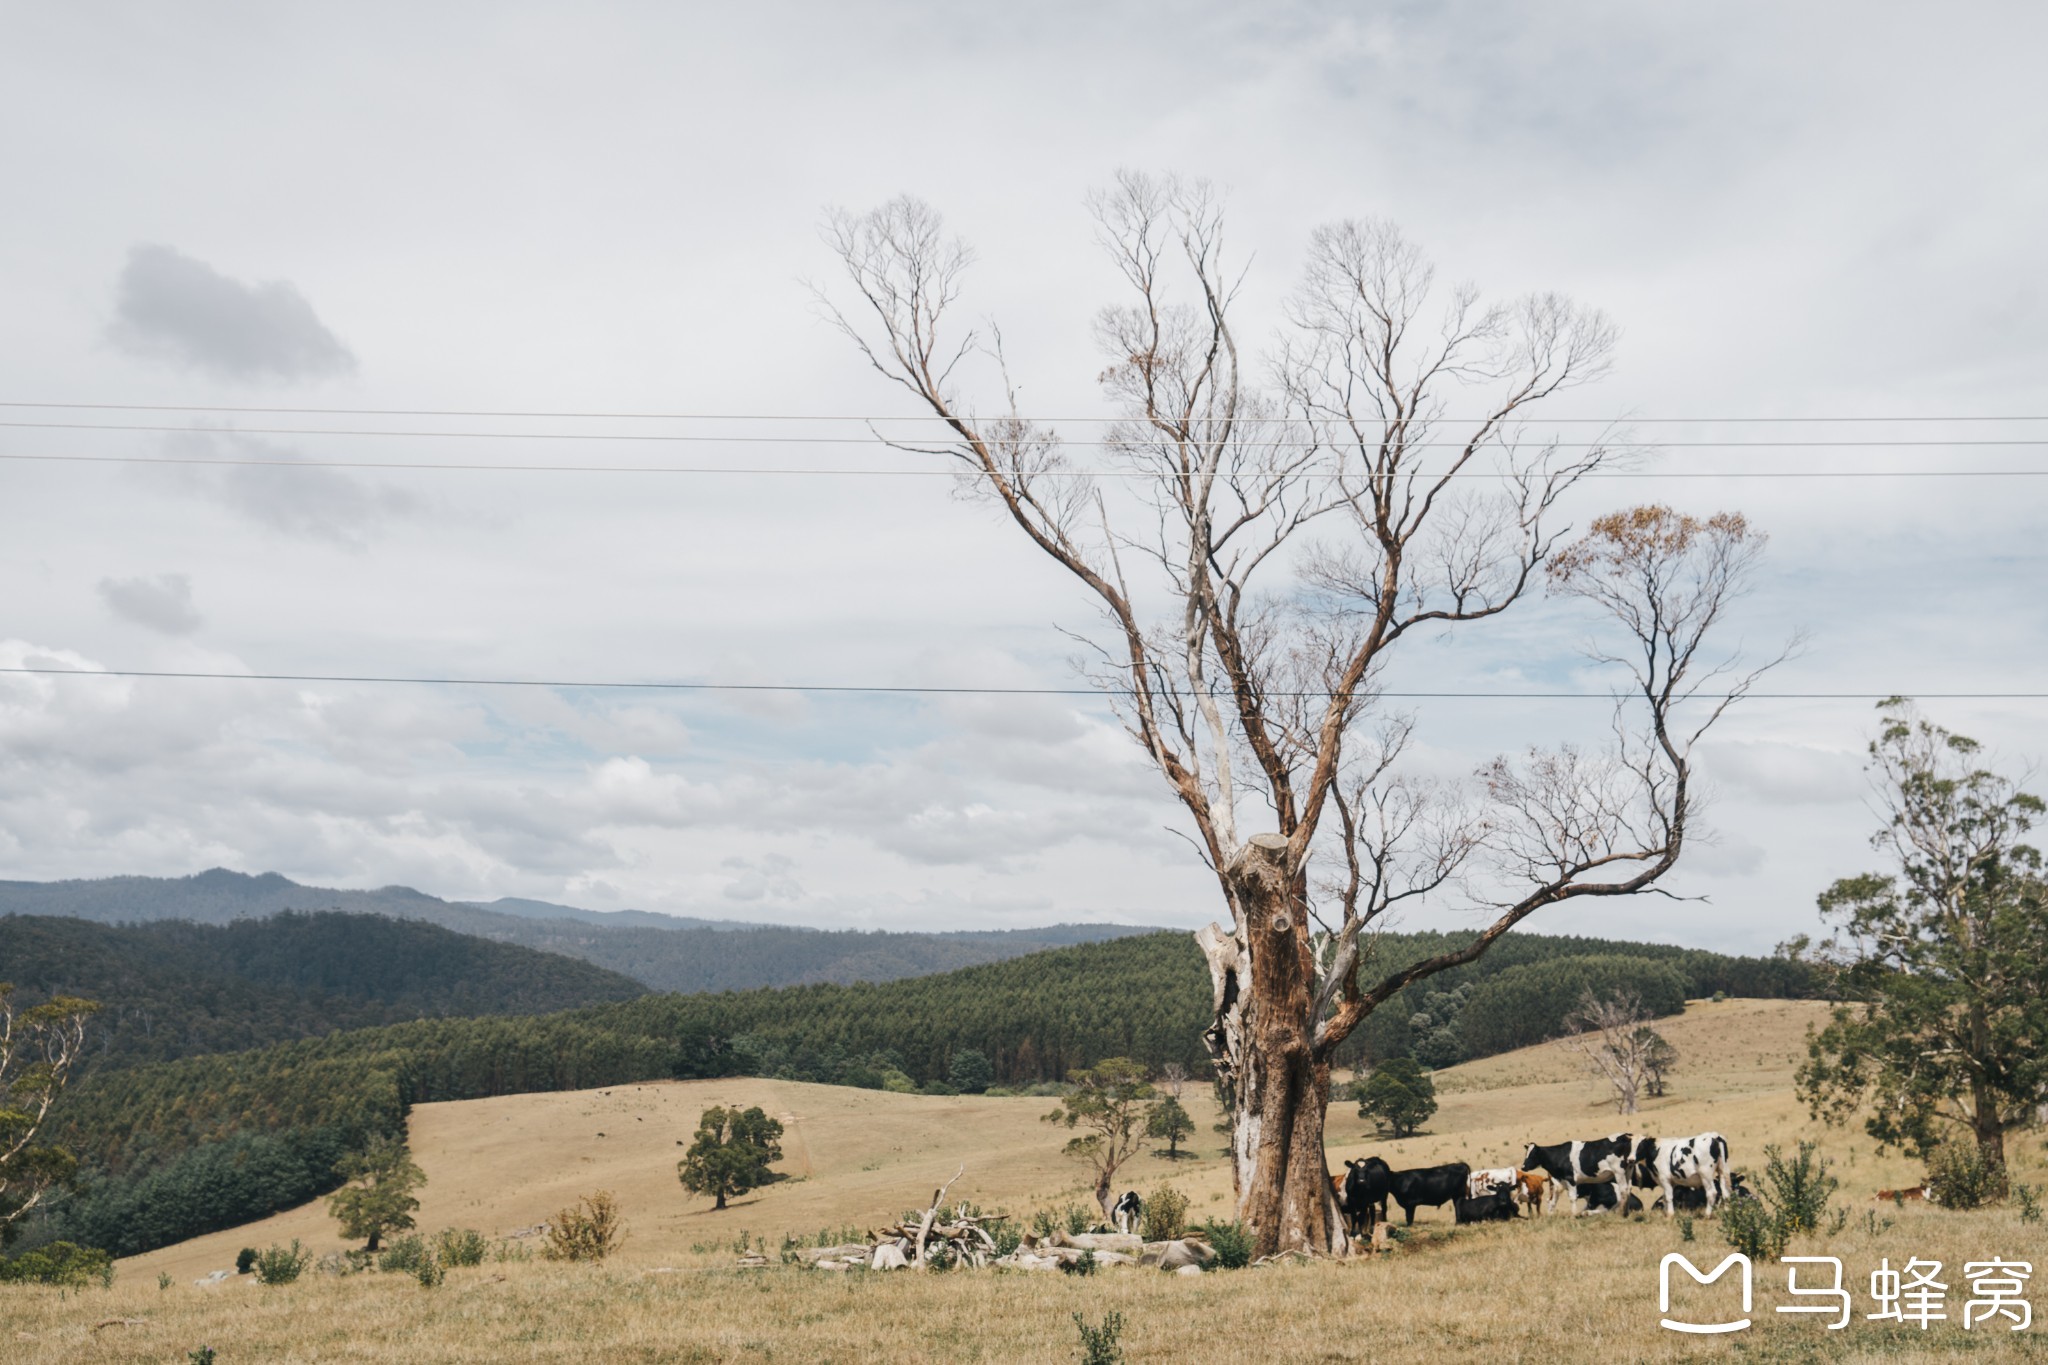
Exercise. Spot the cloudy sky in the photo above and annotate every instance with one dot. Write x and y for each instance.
(1823, 210)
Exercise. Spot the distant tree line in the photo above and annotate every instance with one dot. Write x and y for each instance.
(176, 1149)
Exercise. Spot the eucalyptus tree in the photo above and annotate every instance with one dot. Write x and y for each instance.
(1261, 535)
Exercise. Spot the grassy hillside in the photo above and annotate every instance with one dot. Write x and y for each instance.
(663, 952)
(174, 989)
(207, 1142)
(859, 1157)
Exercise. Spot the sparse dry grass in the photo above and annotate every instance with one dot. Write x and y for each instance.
(1553, 1289)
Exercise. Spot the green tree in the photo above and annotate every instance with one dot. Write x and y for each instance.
(1660, 1059)
(1168, 1120)
(1941, 958)
(971, 1071)
(731, 1153)
(379, 1196)
(1399, 1096)
(1108, 1102)
(38, 1047)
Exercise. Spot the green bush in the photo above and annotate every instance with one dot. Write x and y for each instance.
(429, 1272)
(1960, 1176)
(1798, 1190)
(1752, 1229)
(1099, 1344)
(245, 1260)
(1165, 1215)
(1232, 1242)
(1084, 1264)
(1078, 1219)
(405, 1255)
(2029, 1199)
(59, 1263)
(281, 1265)
(591, 1229)
(460, 1246)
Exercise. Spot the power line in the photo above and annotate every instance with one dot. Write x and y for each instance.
(915, 417)
(950, 472)
(874, 690)
(871, 440)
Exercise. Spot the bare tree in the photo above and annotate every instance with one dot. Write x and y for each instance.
(38, 1048)
(1173, 1079)
(1613, 1039)
(1298, 525)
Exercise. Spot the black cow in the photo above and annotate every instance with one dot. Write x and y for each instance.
(1427, 1187)
(1575, 1167)
(1498, 1204)
(1127, 1212)
(1366, 1187)
(1601, 1199)
(1693, 1197)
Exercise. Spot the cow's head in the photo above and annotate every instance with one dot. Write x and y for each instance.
(1529, 1158)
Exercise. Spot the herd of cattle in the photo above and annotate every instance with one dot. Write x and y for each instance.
(1603, 1173)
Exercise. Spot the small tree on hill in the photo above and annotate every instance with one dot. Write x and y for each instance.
(38, 1047)
(971, 1072)
(1108, 1102)
(1612, 1038)
(731, 1153)
(1660, 1059)
(1167, 1119)
(379, 1196)
(1398, 1097)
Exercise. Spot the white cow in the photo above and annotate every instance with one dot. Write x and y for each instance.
(1699, 1162)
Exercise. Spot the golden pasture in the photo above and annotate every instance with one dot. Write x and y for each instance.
(1549, 1289)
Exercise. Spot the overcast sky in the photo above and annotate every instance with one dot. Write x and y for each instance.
(1827, 210)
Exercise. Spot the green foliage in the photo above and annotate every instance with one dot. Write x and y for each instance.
(163, 1280)
(731, 1153)
(1752, 1229)
(1107, 1102)
(1099, 1344)
(460, 1246)
(1685, 1227)
(1660, 1059)
(430, 1272)
(185, 989)
(277, 1265)
(245, 1260)
(2028, 1197)
(1077, 1220)
(404, 1256)
(204, 1355)
(971, 1072)
(1439, 1039)
(43, 1042)
(1085, 1264)
(1960, 1176)
(1232, 1242)
(1798, 1190)
(1398, 1096)
(379, 1196)
(1940, 955)
(1167, 1119)
(588, 1230)
(1165, 1216)
(1524, 1005)
(59, 1263)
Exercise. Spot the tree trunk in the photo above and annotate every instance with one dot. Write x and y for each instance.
(1984, 1121)
(1275, 1087)
(373, 1243)
(1102, 1187)
(721, 1202)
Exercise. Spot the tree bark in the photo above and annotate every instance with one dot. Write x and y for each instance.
(1275, 1086)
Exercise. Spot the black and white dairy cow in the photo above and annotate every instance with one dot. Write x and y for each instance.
(1699, 1163)
(1572, 1165)
(1127, 1212)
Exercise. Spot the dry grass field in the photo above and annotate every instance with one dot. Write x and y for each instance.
(1539, 1290)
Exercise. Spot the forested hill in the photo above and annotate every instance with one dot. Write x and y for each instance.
(173, 988)
(663, 952)
(185, 1147)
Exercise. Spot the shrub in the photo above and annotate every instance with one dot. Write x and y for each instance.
(1078, 1219)
(1685, 1232)
(205, 1355)
(429, 1272)
(59, 1263)
(245, 1260)
(163, 1280)
(460, 1246)
(1165, 1216)
(2029, 1200)
(281, 1265)
(588, 1230)
(1798, 1190)
(1752, 1229)
(1960, 1176)
(1084, 1264)
(1232, 1242)
(405, 1255)
(1099, 1344)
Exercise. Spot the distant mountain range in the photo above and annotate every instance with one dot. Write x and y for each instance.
(662, 952)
